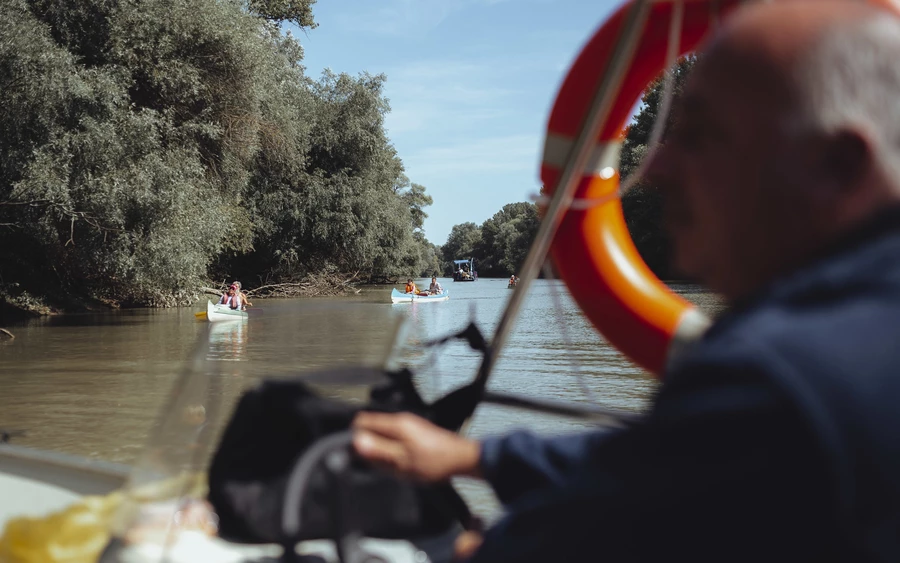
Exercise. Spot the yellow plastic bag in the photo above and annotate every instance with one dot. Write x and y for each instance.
(80, 533)
(77, 534)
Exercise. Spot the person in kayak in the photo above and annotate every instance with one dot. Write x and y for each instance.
(435, 288)
(244, 302)
(231, 297)
(774, 437)
(411, 287)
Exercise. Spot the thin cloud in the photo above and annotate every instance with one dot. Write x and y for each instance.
(399, 17)
(506, 153)
(406, 17)
(444, 96)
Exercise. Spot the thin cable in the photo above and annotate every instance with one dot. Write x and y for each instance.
(598, 112)
(672, 50)
(564, 332)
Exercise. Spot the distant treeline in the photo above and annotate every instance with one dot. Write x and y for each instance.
(500, 244)
(147, 147)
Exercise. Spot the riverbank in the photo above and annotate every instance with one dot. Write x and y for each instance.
(17, 306)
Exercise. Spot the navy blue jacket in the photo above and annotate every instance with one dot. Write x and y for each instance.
(774, 438)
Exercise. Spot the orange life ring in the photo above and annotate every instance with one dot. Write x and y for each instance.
(592, 250)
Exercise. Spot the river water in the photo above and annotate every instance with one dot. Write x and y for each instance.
(95, 384)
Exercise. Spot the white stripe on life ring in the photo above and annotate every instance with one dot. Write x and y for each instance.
(603, 162)
(691, 328)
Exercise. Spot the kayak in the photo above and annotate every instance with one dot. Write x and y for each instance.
(215, 313)
(397, 297)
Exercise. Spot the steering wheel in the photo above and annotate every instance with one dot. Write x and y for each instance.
(334, 453)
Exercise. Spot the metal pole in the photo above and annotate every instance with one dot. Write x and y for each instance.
(576, 161)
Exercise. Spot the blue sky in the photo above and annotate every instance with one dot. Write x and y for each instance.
(470, 83)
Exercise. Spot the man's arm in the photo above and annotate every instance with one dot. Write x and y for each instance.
(522, 462)
(724, 468)
(411, 446)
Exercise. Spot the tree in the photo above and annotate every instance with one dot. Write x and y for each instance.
(147, 145)
(506, 238)
(349, 206)
(500, 244)
(642, 205)
(296, 11)
(461, 244)
(417, 200)
(112, 197)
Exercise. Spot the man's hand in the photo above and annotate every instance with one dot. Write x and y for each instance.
(413, 447)
(466, 544)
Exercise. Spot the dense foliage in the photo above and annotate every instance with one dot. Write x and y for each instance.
(501, 243)
(146, 147)
(642, 204)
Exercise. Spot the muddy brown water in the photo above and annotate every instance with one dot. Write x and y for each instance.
(95, 384)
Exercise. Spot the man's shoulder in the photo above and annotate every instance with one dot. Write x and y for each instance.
(788, 327)
(817, 319)
(833, 345)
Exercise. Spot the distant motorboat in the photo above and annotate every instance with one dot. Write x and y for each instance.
(465, 270)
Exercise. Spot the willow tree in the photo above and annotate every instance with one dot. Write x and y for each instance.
(461, 244)
(506, 238)
(147, 145)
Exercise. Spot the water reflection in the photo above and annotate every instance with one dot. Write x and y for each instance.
(228, 340)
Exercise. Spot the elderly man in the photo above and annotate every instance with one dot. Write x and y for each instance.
(776, 437)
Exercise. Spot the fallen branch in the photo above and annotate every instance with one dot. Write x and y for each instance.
(313, 285)
(7, 333)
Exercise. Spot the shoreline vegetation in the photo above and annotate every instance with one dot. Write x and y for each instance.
(150, 149)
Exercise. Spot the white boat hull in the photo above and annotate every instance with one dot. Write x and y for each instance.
(36, 483)
(217, 313)
(397, 297)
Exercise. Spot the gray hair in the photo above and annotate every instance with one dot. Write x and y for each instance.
(851, 78)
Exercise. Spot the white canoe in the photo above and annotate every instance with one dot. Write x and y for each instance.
(397, 297)
(215, 313)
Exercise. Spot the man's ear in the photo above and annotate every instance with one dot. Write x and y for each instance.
(846, 159)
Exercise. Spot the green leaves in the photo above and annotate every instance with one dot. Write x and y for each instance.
(147, 145)
(296, 11)
(642, 205)
(499, 245)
